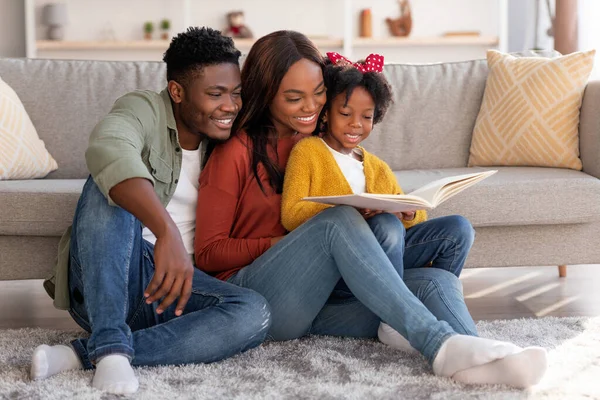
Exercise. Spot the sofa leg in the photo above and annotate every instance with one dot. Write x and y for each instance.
(562, 271)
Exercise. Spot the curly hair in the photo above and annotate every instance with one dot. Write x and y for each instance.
(196, 48)
(345, 78)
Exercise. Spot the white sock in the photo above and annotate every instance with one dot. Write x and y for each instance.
(461, 352)
(521, 370)
(47, 361)
(392, 338)
(115, 375)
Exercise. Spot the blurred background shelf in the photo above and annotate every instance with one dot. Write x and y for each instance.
(113, 30)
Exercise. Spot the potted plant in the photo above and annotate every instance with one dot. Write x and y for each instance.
(165, 25)
(148, 30)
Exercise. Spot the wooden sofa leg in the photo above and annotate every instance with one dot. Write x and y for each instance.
(562, 271)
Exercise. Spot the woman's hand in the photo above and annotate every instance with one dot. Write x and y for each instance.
(276, 240)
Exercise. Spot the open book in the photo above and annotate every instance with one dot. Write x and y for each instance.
(427, 197)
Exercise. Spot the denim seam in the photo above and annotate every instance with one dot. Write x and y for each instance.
(448, 304)
(127, 265)
(81, 319)
(436, 239)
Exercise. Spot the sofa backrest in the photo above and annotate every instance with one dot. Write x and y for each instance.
(428, 126)
(431, 121)
(65, 100)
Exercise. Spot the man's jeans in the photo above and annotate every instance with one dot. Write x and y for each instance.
(301, 278)
(111, 266)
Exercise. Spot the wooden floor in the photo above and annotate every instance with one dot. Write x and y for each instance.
(491, 293)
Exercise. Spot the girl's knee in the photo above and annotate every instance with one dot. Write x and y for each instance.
(463, 228)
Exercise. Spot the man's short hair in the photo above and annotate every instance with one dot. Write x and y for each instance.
(195, 49)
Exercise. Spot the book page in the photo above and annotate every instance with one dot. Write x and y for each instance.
(440, 190)
(388, 203)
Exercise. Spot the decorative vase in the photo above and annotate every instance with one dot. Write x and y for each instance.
(366, 23)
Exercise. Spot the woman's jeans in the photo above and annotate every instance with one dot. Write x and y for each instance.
(331, 276)
(110, 267)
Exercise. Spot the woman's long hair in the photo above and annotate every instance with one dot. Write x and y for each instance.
(267, 63)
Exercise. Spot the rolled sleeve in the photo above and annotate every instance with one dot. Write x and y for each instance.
(117, 142)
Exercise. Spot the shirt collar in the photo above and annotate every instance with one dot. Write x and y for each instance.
(169, 107)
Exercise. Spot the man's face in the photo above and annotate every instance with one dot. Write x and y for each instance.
(209, 103)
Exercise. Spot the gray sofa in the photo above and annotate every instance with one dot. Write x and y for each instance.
(522, 216)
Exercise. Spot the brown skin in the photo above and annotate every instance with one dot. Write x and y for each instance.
(348, 124)
(213, 94)
(301, 94)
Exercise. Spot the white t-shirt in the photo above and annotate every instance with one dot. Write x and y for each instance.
(353, 170)
(182, 207)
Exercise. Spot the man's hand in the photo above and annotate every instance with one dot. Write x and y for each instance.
(366, 213)
(173, 269)
(173, 273)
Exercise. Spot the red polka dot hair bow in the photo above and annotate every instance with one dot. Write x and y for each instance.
(373, 63)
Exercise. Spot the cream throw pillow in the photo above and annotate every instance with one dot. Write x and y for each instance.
(530, 111)
(22, 154)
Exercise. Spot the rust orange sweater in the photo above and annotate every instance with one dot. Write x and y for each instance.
(235, 220)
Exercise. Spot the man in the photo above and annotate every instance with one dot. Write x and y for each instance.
(125, 269)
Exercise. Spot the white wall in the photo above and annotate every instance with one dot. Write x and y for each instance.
(589, 31)
(312, 17)
(12, 28)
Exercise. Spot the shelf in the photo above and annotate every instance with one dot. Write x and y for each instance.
(427, 41)
(45, 45)
(102, 45)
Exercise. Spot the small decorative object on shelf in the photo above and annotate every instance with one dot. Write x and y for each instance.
(148, 30)
(55, 15)
(236, 26)
(366, 23)
(402, 25)
(165, 25)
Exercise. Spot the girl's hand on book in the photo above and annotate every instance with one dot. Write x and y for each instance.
(407, 215)
(366, 213)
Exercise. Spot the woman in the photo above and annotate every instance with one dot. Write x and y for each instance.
(331, 276)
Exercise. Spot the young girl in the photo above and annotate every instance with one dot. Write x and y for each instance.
(358, 96)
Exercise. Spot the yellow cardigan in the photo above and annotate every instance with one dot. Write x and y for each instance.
(313, 171)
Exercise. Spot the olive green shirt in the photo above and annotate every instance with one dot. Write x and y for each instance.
(137, 139)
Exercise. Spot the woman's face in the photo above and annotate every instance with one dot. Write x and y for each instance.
(299, 99)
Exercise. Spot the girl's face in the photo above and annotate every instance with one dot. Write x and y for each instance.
(299, 99)
(351, 123)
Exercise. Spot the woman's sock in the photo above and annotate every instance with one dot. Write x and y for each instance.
(461, 352)
(50, 360)
(521, 370)
(115, 375)
(392, 338)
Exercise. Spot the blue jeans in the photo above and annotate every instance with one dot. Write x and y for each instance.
(110, 267)
(301, 279)
(442, 243)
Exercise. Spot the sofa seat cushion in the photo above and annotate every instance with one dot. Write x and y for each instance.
(517, 196)
(40, 207)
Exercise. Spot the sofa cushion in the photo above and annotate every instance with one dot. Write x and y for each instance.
(530, 111)
(42, 207)
(22, 154)
(431, 121)
(72, 97)
(517, 196)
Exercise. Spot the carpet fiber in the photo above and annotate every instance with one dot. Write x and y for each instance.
(325, 368)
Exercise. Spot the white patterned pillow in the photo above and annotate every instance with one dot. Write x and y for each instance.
(22, 154)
